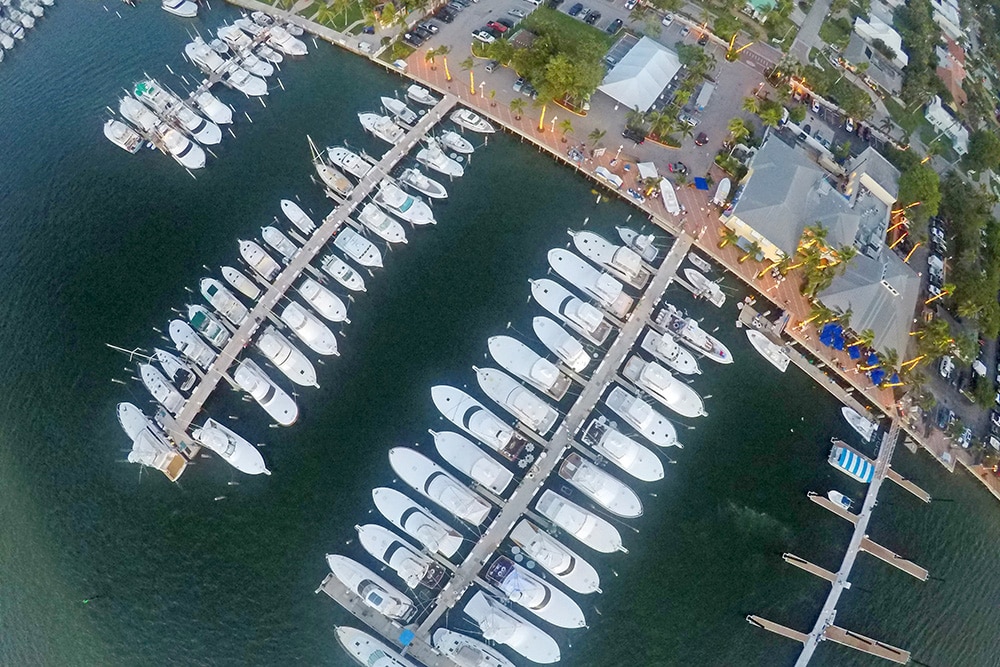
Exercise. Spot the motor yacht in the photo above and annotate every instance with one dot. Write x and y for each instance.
(277, 240)
(183, 8)
(657, 381)
(421, 95)
(608, 291)
(466, 651)
(456, 142)
(624, 263)
(414, 568)
(472, 417)
(472, 461)
(223, 301)
(231, 447)
(297, 217)
(280, 39)
(259, 260)
(434, 158)
(209, 326)
(774, 353)
(406, 207)
(358, 248)
(520, 402)
(557, 559)
(581, 523)
(367, 650)
(642, 417)
(664, 347)
(381, 223)
(161, 389)
(640, 243)
(190, 344)
(213, 108)
(243, 284)
(431, 480)
(12, 28)
(139, 115)
(245, 82)
(399, 110)
(688, 332)
(265, 52)
(499, 624)
(531, 592)
(417, 522)
(180, 374)
(374, 591)
(186, 152)
(348, 161)
(382, 127)
(276, 403)
(123, 136)
(604, 489)
(522, 362)
(705, 288)
(329, 306)
(582, 317)
(150, 446)
(423, 184)
(342, 272)
(309, 329)
(866, 428)
(167, 105)
(569, 350)
(287, 358)
(472, 121)
(621, 450)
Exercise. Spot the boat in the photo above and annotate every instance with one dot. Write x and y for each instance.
(688, 332)
(524, 588)
(399, 109)
(407, 207)
(669, 197)
(190, 344)
(180, 374)
(330, 306)
(641, 243)
(232, 448)
(167, 105)
(472, 121)
(248, 26)
(581, 317)
(212, 106)
(293, 29)
(373, 590)
(847, 459)
(349, 161)
(245, 82)
(342, 272)
(368, 650)
(722, 192)
(27, 20)
(6, 41)
(699, 262)
(866, 428)
(499, 624)
(150, 446)
(464, 650)
(183, 8)
(471, 461)
(211, 329)
(242, 46)
(434, 158)
(620, 261)
(522, 361)
(768, 349)
(430, 480)
(223, 301)
(210, 61)
(243, 285)
(520, 402)
(12, 28)
(657, 381)
(287, 358)
(621, 450)
(382, 224)
(275, 238)
(186, 152)
(414, 568)
(569, 350)
(472, 417)
(704, 288)
(280, 39)
(664, 347)
(421, 95)
(599, 486)
(309, 329)
(417, 522)
(456, 142)
(219, 46)
(382, 127)
(139, 115)
(333, 179)
(608, 291)
(265, 52)
(297, 217)
(161, 389)
(423, 184)
(261, 19)
(259, 260)
(557, 559)
(582, 524)
(278, 404)
(838, 498)
(358, 248)
(642, 417)
(33, 8)
(123, 136)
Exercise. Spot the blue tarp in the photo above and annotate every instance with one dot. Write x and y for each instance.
(701, 183)
(854, 351)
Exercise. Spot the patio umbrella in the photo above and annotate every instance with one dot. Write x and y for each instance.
(700, 183)
(877, 376)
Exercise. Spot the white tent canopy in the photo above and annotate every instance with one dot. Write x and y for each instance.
(639, 78)
(647, 170)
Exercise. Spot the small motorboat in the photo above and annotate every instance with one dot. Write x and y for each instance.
(183, 8)
(373, 590)
(259, 260)
(866, 428)
(342, 272)
(275, 238)
(123, 136)
(287, 358)
(604, 489)
(499, 624)
(559, 560)
(622, 262)
(638, 414)
(161, 389)
(382, 127)
(432, 481)
(838, 498)
(261, 19)
(297, 217)
(699, 263)
(771, 351)
(231, 448)
(190, 344)
(381, 223)
(358, 248)
(349, 161)
(641, 243)
(275, 401)
(605, 289)
(455, 142)
(417, 180)
(330, 306)
(471, 461)
(705, 288)
(584, 525)
(472, 121)
(421, 95)
(581, 317)
(243, 285)
(399, 109)
(669, 197)
(180, 374)
(367, 650)
(417, 522)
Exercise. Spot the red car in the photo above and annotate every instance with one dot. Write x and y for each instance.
(499, 27)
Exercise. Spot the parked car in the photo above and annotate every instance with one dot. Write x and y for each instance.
(517, 13)
(444, 14)
(688, 119)
(849, 125)
(946, 366)
(614, 26)
(575, 9)
(554, 4)
(528, 90)
(944, 417)
(424, 33)
(703, 40)
(966, 438)
(518, 84)
(633, 135)
(592, 18)
(814, 106)
(630, 4)
(667, 19)
(429, 26)
(413, 39)
(492, 65)
(483, 36)
(506, 22)
(499, 27)
(701, 139)
(684, 31)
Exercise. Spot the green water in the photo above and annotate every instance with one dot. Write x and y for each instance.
(98, 247)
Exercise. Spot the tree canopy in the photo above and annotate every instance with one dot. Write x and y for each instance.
(920, 183)
(984, 151)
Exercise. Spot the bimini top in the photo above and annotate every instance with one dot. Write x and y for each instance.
(852, 463)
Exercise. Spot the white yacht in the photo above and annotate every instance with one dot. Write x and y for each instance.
(150, 446)
(251, 28)
(278, 404)
(190, 344)
(522, 361)
(243, 285)
(249, 84)
(259, 260)
(180, 374)
(635, 459)
(417, 522)
(705, 288)
(242, 45)
(161, 389)
(237, 40)
(520, 402)
(209, 326)
(466, 651)
(581, 523)
(232, 448)
(297, 217)
(381, 223)
(472, 121)
(642, 417)
(382, 127)
(472, 417)
(276, 238)
(358, 248)
(210, 61)
(472, 461)
(342, 272)
(265, 52)
(866, 428)
(421, 95)
(774, 353)
(414, 568)
(558, 560)
(6, 41)
(581, 317)
(223, 301)
(434, 158)
(330, 306)
(665, 348)
(399, 109)
(166, 105)
(27, 20)
(186, 152)
(283, 41)
(333, 179)
(408, 208)
(348, 161)
(431, 480)
(12, 28)
(309, 329)
(658, 382)
(604, 489)
(183, 8)
(213, 108)
(287, 358)
(373, 590)
(534, 594)
(455, 142)
(423, 184)
(139, 115)
(608, 291)
(367, 650)
(688, 332)
(641, 243)
(569, 350)
(32, 7)
(499, 624)
(123, 136)
(620, 261)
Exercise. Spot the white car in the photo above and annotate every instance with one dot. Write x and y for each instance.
(815, 106)
(947, 366)
(849, 125)
(667, 19)
(483, 36)
(516, 13)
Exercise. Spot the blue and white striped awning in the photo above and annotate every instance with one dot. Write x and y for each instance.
(855, 465)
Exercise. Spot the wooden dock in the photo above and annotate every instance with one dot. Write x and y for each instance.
(909, 486)
(866, 644)
(826, 503)
(811, 568)
(894, 559)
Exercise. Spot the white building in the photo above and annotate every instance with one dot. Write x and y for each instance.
(945, 123)
(948, 16)
(877, 29)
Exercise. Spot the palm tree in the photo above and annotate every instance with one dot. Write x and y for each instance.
(686, 131)
(751, 104)
(493, 98)
(595, 136)
(819, 314)
(324, 14)
(635, 119)
(728, 237)
(866, 338)
(517, 107)
(738, 129)
(566, 125)
(430, 56)
(771, 116)
(752, 251)
(889, 358)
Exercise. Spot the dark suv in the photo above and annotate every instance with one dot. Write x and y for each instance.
(633, 135)
(576, 9)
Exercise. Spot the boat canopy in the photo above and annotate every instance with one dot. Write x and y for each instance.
(855, 465)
